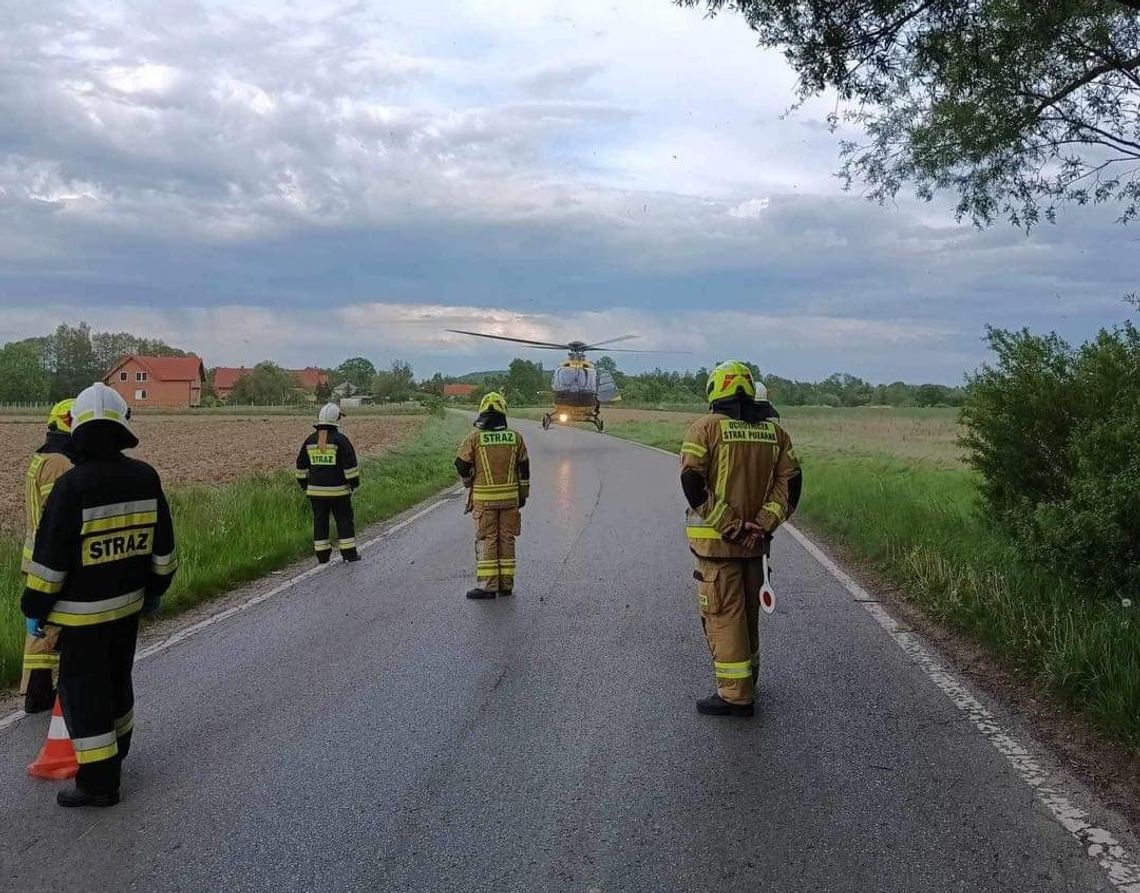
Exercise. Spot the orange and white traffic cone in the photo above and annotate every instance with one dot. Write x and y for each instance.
(57, 757)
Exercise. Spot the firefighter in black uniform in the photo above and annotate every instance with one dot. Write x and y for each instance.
(103, 554)
(328, 473)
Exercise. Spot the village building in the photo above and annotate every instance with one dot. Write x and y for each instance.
(158, 382)
(225, 377)
(459, 391)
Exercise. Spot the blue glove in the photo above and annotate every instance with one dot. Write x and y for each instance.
(150, 605)
(35, 628)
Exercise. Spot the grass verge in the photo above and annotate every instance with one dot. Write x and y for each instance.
(231, 534)
(917, 522)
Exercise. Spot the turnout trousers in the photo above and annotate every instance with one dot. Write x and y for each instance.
(41, 667)
(340, 507)
(98, 698)
(728, 594)
(495, 534)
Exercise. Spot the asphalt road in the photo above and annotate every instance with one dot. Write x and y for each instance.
(372, 730)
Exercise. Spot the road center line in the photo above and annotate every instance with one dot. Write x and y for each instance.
(195, 628)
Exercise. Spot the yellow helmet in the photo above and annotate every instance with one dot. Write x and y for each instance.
(729, 379)
(59, 419)
(495, 401)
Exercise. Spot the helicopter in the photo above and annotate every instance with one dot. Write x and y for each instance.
(580, 389)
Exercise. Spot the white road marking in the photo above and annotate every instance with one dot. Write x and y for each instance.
(1121, 868)
(192, 630)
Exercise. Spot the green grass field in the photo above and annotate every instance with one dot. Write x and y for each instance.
(889, 486)
(238, 532)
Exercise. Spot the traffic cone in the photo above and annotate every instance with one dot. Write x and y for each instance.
(57, 757)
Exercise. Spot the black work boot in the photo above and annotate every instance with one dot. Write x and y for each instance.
(350, 555)
(323, 557)
(78, 797)
(477, 592)
(506, 592)
(715, 705)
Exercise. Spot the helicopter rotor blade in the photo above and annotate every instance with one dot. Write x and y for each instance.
(633, 350)
(597, 344)
(545, 345)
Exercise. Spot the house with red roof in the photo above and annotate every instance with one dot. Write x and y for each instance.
(159, 382)
(225, 377)
(459, 391)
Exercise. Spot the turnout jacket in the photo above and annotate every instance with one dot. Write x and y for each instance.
(495, 465)
(49, 463)
(330, 472)
(732, 471)
(105, 544)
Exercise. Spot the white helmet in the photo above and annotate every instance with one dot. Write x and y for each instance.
(761, 391)
(330, 414)
(99, 403)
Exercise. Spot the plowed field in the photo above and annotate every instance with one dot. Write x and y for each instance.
(199, 449)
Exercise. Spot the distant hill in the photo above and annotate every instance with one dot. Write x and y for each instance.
(480, 377)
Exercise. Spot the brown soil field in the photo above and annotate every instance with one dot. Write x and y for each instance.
(199, 449)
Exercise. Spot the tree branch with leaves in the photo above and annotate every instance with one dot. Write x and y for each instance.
(1017, 106)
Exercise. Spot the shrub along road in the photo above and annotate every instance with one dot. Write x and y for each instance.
(369, 729)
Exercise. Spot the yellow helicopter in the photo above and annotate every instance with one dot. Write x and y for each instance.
(580, 388)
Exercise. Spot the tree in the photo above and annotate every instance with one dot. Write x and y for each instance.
(525, 378)
(434, 385)
(70, 360)
(22, 375)
(108, 347)
(1018, 106)
(396, 384)
(268, 384)
(357, 370)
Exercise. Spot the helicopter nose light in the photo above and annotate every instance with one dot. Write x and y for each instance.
(563, 418)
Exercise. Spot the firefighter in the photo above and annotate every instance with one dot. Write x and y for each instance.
(103, 554)
(49, 463)
(494, 466)
(328, 473)
(741, 479)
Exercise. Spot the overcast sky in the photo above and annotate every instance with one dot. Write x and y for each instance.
(311, 180)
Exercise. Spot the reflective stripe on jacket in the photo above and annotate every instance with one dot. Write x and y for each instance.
(747, 468)
(45, 469)
(104, 544)
(500, 468)
(330, 471)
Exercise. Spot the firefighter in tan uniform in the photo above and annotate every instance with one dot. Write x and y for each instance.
(494, 466)
(742, 480)
(50, 462)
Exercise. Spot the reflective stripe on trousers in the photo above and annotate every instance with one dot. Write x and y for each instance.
(75, 613)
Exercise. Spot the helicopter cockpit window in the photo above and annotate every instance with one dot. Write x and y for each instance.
(568, 378)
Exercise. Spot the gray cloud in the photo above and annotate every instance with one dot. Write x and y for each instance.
(558, 80)
(195, 155)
